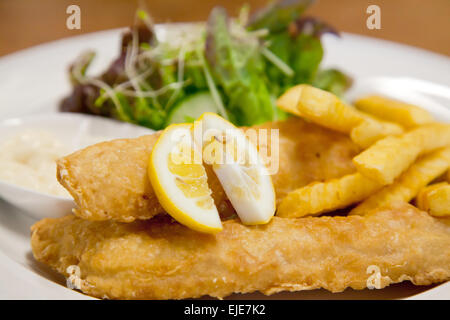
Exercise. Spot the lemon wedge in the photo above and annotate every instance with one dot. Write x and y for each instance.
(180, 181)
(238, 166)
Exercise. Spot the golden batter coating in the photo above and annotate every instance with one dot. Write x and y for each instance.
(160, 259)
(109, 180)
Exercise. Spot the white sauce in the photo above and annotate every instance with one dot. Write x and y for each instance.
(28, 160)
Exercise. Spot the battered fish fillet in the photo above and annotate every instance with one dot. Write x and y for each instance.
(156, 259)
(109, 180)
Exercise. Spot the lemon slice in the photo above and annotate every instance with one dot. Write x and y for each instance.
(238, 166)
(180, 183)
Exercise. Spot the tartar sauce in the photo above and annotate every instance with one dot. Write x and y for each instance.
(28, 160)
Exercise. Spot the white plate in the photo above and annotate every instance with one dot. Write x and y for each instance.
(34, 80)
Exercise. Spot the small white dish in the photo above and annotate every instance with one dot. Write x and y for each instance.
(37, 204)
(75, 131)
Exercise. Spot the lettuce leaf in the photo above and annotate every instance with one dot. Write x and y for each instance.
(276, 16)
(238, 68)
(332, 80)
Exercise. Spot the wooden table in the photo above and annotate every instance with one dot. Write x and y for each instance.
(24, 23)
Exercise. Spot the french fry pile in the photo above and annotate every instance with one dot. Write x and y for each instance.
(403, 150)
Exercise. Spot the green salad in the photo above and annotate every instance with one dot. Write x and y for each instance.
(234, 67)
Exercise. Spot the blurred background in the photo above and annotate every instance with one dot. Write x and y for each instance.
(24, 23)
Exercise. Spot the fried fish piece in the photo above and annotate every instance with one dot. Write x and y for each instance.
(157, 259)
(109, 180)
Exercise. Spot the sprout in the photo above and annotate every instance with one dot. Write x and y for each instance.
(277, 61)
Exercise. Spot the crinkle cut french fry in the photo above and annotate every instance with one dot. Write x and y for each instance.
(320, 107)
(388, 158)
(328, 110)
(405, 114)
(288, 101)
(370, 131)
(326, 196)
(435, 199)
(431, 136)
(407, 186)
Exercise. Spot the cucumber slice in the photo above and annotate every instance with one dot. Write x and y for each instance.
(192, 107)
